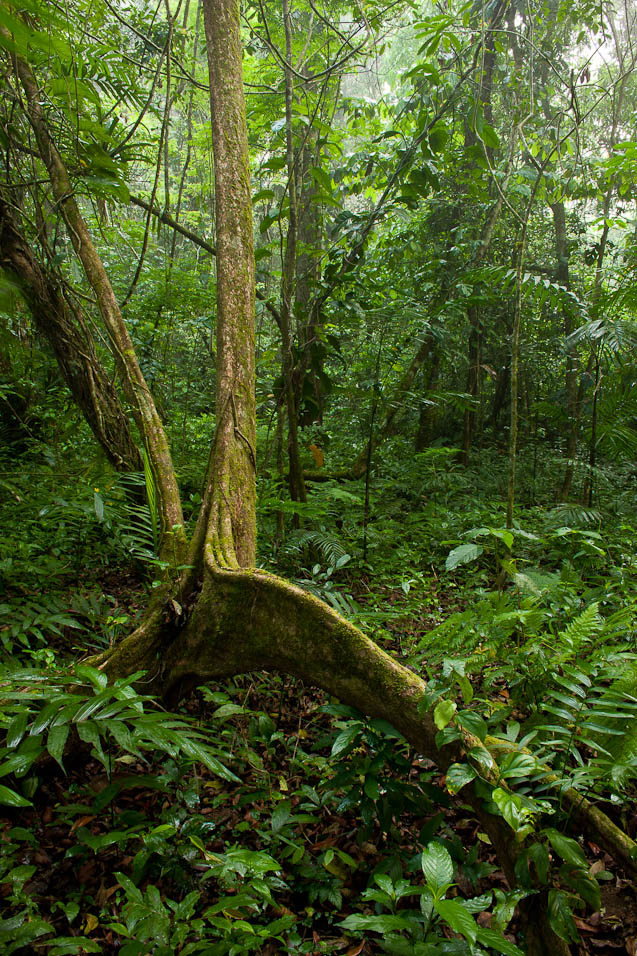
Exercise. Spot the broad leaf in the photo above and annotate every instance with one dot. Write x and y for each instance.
(437, 866)
(463, 554)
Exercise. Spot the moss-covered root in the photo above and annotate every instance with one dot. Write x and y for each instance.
(140, 651)
(601, 830)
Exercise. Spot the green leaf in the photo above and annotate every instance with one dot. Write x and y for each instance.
(438, 137)
(16, 729)
(568, 849)
(322, 178)
(584, 885)
(228, 710)
(437, 866)
(517, 765)
(371, 788)
(455, 915)
(473, 722)
(561, 918)
(89, 733)
(56, 740)
(46, 715)
(97, 678)
(377, 924)
(458, 776)
(64, 945)
(462, 555)
(511, 806)
(201, 753)
(346, 738)
(489, 937)
(443, 713)
(12, 799)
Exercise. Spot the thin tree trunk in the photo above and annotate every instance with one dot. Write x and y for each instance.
(173, 540)
(426, 416)
(307, 275)
(473, 381)
(295, 474)
(228, 520)
(571, 375)
(515, 377)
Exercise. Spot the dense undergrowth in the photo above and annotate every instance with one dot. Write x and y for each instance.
(266, 818)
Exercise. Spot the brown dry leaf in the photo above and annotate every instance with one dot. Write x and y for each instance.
(317, 455)
(104, 893)
(355, 950)
(631, 945)
(81, 822)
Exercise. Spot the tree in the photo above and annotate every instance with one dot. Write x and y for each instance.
(215, 614)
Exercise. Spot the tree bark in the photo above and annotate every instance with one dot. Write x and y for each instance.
(65, 329)
(228, 518)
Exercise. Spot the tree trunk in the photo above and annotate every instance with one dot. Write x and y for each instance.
(426, 417)
(173, 539)
(473, 381)
(311, 387)
(65, 329)
(229, 508)
(572, 404)
(296, 480)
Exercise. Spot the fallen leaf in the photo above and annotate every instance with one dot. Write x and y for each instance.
(81, 822)
(355, 950)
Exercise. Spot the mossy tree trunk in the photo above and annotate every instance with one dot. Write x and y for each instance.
(63, 326)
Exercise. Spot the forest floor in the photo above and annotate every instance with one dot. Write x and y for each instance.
(144, 817)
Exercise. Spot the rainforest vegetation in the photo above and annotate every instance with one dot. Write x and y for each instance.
(318, 421)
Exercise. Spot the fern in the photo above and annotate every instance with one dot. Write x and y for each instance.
(617, 436)
(588, 729)
(131, 519)
(328, 548)
(151, 497)
(572, 515)
(581, 631)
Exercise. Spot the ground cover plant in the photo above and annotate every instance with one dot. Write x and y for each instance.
(402, 719)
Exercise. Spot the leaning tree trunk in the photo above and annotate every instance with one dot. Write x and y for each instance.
(173, 540)
(65, 329)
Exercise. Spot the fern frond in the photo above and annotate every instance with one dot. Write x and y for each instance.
(151, 496)
(573, 516)
(583, 629)
(329, 548)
